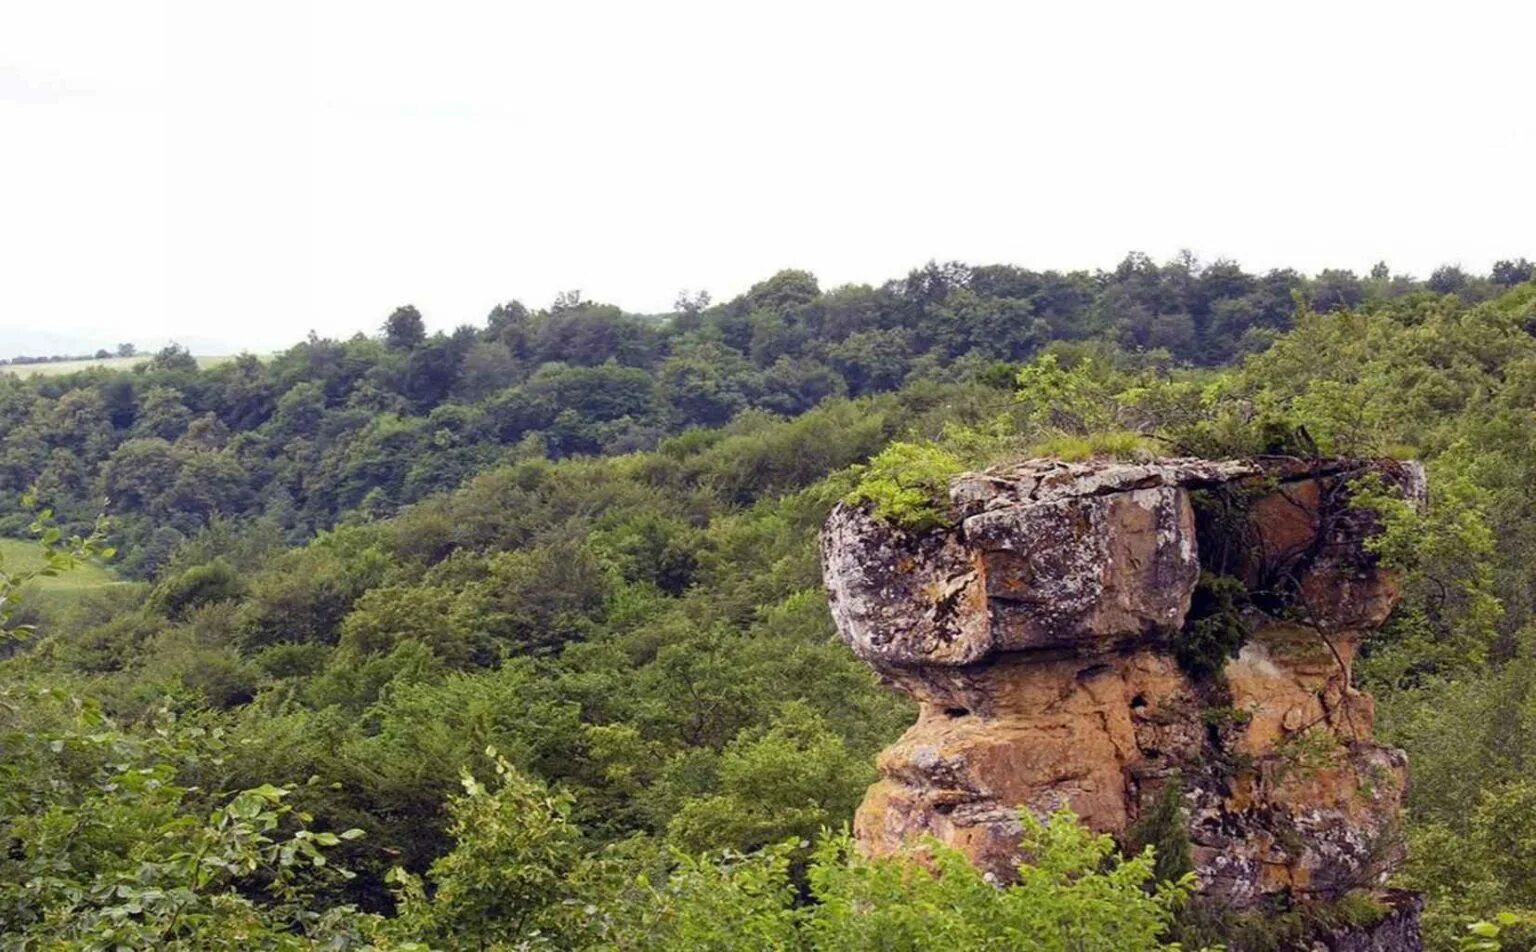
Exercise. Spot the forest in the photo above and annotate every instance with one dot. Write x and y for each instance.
(515, 637)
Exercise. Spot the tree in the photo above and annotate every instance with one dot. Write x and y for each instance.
(706, 385)
(503, 880)
(1448, 279)
(585, 333)
(202, 584)
(873, 360)
(604, 392)
(488, 367)
(689, 309)
(299, 411)
(1507, 274)
(404, 329)
(386, 616)
(931, 283)
(127, 854)
(304, 594)
(1336, 289)
(431, 370)
(784, 292)
(506, 317)
(1075, 894)
(794, 385)
(1173, 332)
(536, 599)
(208, 483)
(792, 780)
(139, 474)
(173, 358)
(162, 413)
(127, 350)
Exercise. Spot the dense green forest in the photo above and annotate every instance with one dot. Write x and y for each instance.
(330, 429)
(515, 638)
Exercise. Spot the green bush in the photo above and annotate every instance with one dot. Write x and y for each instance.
(204, 584)
(907, 484)
(1214, 629)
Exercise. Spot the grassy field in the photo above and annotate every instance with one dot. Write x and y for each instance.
(20, 554)
(115, 363)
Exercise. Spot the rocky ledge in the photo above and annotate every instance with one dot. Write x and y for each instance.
(1096, 635)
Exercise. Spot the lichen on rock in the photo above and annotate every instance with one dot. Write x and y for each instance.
(1085, 634)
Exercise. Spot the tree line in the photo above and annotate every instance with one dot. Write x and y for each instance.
(371, 424)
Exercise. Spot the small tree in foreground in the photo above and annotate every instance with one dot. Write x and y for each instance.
(1077, 894)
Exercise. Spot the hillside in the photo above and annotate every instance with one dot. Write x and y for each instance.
(58, 368)
(372, 424)
(574, 554)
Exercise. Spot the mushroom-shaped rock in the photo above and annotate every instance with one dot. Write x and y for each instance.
(1050, 630)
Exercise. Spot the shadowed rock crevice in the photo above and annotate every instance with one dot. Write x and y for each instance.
(1085, 635)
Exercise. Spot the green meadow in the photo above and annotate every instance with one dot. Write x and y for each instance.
(23, 555)
(61, 367)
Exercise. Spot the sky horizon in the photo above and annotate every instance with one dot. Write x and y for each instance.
(192, 171)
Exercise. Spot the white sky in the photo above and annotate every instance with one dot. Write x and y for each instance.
(248, 172)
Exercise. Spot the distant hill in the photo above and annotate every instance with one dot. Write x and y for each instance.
(55, 368)
(33, 341)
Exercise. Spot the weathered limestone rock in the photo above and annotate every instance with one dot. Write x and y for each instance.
(1051, 633)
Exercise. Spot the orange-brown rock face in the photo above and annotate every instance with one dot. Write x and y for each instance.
(1053, 636)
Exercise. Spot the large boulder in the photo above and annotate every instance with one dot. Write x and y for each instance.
(1086, 634)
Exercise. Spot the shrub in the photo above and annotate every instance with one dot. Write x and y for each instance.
(202, 584)
(905, 484)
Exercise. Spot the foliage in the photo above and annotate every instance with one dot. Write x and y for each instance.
(1274, 930)
(1074, 893)
(1214, 630)
(55, 554)
(204, 584)
(907, 484)
(792, 780)
(588, 540)
(1120, 444)
(1069, 400)
(513, 847)
(330, 428)
(1489, 935)
(112, 849)
(1165, 829)
(1445, 554)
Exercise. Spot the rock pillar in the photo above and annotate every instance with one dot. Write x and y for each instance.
(1087, 634)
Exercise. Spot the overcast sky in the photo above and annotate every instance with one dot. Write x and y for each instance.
(248, 172)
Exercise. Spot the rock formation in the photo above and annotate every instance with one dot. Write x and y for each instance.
(1088, 634)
